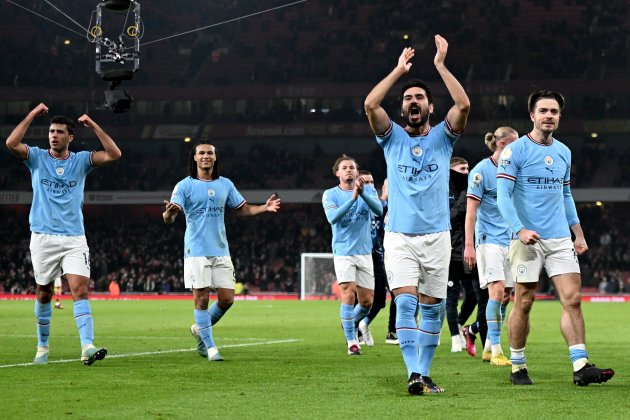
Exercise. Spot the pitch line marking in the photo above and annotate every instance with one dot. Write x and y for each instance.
(150, 353)
(130, 337)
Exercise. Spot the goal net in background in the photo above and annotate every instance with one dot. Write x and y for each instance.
(317, 275)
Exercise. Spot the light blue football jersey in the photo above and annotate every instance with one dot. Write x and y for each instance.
(533, 187)
(58, 186)
(351, 230)
(417, 173)
(204, 203)
(482, 186)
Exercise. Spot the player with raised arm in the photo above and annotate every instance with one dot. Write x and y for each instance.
(534, 197)
(203, 197)
(417, 240)
(488, 239)
(58, 244)
(348, 208)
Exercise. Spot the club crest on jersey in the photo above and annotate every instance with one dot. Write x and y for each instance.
(60, 171)
(548, 160)
(506, 153)
(211, 192)
(416, 151)
(476, 179)
(490, 271)
(521, 270)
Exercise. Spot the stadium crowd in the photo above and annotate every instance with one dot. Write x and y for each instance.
(324, 40)
(595, 164)
(142, 254)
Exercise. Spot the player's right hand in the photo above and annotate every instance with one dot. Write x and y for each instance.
(171, 208)
(39, 110)
(405, 57)
(528, 237)
(470, 256)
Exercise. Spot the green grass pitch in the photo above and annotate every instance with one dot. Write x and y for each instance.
(287, 359)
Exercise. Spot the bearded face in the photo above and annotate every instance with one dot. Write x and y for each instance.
(415, 108)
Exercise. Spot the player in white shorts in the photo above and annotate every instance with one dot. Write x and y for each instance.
(58, 245)
(487, 241)
(534, 197)
(203, 197)
(417, 239)
(349, 207)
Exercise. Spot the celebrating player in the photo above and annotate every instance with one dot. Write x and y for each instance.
(203, 197)
(488, 239)
(534, 197)
(348, 207)
(417, 240)
(58, 245)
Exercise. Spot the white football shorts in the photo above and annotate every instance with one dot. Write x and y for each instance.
(418, 260)
(493, 264)
(214, 272)
(356, 268)
(556, 255)
(54, 255)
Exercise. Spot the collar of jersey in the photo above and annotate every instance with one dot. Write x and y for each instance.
(537, 142)
(494, 162)
(56, 158)
(421, 134)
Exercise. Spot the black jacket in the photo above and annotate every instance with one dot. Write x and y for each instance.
(458, 185)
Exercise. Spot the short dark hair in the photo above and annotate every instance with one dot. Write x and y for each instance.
(544, 94)
(456, 160)
(364, 172)
(192, 165)
(60, 119)
(341, 159)
(416, 83)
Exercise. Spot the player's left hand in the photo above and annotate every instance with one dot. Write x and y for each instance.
(580, 246)
(273, 204)
(442, 48)
(359, 184)
(87, 121)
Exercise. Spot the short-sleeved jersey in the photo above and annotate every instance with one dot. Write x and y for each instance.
(203, 203)
(417, 174)
(58, 186)
(540, 173)
(490, 227)
(352, 234)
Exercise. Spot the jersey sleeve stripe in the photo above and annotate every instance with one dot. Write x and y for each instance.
(567, 182)
(388, 131)
(473, 196)
(506, 176)
(450, 129)
(28, 151)
(240, 205)
(91, 161)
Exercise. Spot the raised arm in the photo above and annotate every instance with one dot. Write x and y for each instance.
(377, 117)
(458, 114)
(271, 205)
(14, 141)
(111, 152)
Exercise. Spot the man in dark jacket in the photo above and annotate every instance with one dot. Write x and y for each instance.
(460, 275)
